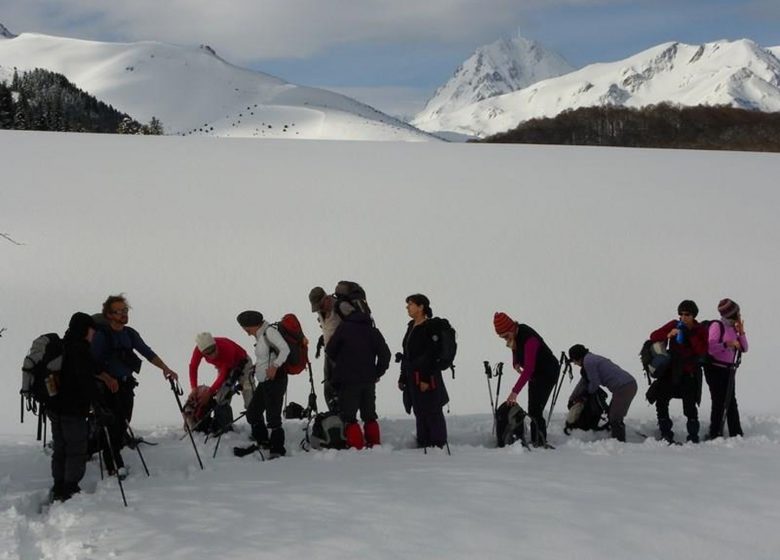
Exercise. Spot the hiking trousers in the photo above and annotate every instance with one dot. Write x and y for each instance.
(718, 382)
(687, 391)
(539, 388)
(268, 400)
(69, 443)
(357, 396)
(618, 408)
(121, 406)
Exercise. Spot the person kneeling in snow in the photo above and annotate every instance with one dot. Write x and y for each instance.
(598, 371)
(233, 367)
(360, 356)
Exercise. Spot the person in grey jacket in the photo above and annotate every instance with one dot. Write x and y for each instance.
(598, 371)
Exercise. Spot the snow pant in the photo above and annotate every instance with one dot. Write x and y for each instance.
(718, 382)
(618, 408)
(687, 389)
(539, 388)
(357, 396)
(429, 417)
(120, 404)
(268, 399)
(69, 460)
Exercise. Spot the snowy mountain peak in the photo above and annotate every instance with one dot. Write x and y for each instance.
(501, 67)
(5, 33)
(736, 73)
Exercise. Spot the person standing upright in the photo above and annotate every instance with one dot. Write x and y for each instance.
(324, 306)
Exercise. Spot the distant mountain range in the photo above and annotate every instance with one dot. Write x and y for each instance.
(735, 73)
(194, 91)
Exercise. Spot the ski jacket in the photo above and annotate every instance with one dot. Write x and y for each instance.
(721, 332)
(78, 382)
(531, 356)
(688, 355)
(270, 348)
(228, 357)
(114, 351)
(419, 365)
(358, 350)
(600, 371)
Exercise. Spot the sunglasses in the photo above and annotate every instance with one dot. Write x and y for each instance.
(122, 311)
(686, 314)
(210, 351)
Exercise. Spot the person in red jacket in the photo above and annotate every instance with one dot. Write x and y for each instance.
(232, 363)
(687, 343)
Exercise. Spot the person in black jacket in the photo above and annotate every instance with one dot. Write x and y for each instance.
(537, 366)
(421, 380)
(360, 357)
(68, 416)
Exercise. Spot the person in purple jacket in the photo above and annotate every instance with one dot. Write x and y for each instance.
(538, 367)
(599, 371)
(726, 338)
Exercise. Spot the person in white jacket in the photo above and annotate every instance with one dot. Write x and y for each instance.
(271, 351)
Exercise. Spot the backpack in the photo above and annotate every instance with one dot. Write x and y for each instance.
(290, 329)
(708, 359)
(586, 415)
(510, 425)
(41, 372)
(327, 432)
(446, 342)
(650, 350)
(350, 296)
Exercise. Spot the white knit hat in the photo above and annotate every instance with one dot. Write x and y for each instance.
(205, 341)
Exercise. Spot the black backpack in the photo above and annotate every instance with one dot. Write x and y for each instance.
(41, 372)
(708, 359)
(446, 342)
(648, 352)
(327, 432)
(350, 296)
(588, 414)
(510, 425)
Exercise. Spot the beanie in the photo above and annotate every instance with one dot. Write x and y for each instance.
(688, 306)
(205, 341)
(250, 319)
(79, 324)
(577, 352)
(503, 323)
(728, 309)
(316, 295)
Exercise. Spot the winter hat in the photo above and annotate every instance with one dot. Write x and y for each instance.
(577, 352)
(79, 324)
(503, 323)
(316, 295)
(728, 309)
(688, 306)
(205, 341)
(250, 319)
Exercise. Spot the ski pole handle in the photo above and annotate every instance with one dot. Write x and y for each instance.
(488, 370)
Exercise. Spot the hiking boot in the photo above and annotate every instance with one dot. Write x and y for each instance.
(693, 431)
(354, 436)
(371, 430)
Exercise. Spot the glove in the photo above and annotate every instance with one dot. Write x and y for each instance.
(320, 344)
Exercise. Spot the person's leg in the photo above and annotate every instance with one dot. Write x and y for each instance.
(75, 433)
(254, 415)
(329, 391)
(349, 399)
(732, 415)
(539, 390)
(618, 408)
(58, 455)
(662, 413)
(716, 381)
(275, 391)
(690, 408)
(368, 414)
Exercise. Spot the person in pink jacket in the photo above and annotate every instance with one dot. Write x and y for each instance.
(726, 339)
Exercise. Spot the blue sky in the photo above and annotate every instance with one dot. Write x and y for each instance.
(394, 53)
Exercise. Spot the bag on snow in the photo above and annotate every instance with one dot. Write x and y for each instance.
(445, 339)
(41, 371)
(292, 332)
(350, 296)
(588, 414)
(327, 432)
(510, 425)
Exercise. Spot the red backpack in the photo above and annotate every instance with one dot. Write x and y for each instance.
(290, 329)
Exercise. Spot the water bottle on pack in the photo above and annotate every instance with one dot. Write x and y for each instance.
(680, 332)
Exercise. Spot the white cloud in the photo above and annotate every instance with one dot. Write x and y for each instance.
(255, 29)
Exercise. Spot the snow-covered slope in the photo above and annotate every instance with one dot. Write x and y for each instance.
(194, 91)
(775, 51)
(504, 66)
(738, 73)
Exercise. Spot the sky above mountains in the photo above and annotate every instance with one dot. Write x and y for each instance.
(395, 53)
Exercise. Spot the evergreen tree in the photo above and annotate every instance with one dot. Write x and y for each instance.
(154, 127)
(6, 107)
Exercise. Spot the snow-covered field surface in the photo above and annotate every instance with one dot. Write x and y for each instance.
(587, 245)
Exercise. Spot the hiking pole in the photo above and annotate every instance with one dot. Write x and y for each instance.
(312, 395)
(137, 445)
(566, 368)
(489, 375)
(730, 390)
(499, 374)
(116, 467)
(223, 431)
(177, 392)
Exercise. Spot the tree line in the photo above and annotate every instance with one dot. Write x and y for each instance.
(42, 100)
(655, 126)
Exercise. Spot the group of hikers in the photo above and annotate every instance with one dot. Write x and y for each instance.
(95, 378)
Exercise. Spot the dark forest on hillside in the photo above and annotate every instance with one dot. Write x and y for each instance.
(656, 126)
(44, 100)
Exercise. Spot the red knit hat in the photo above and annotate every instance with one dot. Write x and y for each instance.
(728, 309)
(503, 323)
